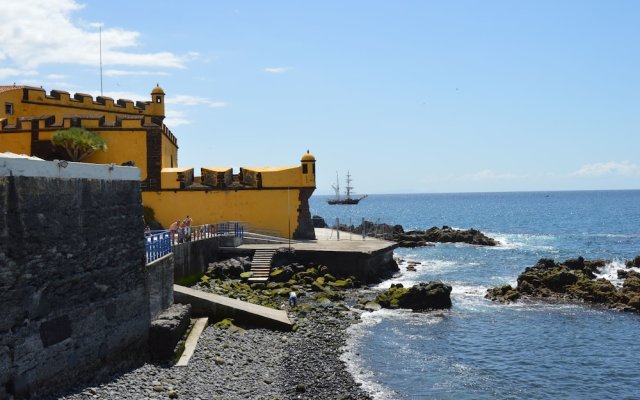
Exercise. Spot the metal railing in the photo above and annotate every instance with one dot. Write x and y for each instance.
(366, 229)
(159, 243)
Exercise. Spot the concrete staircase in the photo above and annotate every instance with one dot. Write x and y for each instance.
(261, 265)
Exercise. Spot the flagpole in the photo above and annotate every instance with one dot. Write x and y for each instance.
(100, 27)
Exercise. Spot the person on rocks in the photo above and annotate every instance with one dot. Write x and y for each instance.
(293, 299)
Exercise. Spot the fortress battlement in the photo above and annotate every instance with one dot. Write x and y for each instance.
(87, 121)
(62, 98)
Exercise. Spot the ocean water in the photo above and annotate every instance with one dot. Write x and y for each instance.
(484, 350)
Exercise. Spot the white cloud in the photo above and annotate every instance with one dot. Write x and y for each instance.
(36, 32)
(609, 168)
(14, 72)
(55, 77)
(176, 118)
(119, 72)
(488, 174)
(188, 100)
(277, 70)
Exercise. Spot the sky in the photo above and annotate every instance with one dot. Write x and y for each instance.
(408, 96)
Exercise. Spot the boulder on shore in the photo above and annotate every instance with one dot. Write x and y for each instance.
(318, 222)
(573, 279)
(228, 269)
(423, 296)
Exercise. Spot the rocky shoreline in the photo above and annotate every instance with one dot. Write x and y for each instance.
(415, 238)
(248, 363)
(240, 362)
(574, 280)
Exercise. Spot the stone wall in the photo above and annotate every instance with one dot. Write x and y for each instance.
(194, 257)
(72, 276)
(367, 267)
(159, 282)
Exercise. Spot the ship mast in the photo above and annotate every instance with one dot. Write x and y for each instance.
(349, 187)
(336, 187)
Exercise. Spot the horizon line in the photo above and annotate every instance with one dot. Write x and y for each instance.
(495, 192)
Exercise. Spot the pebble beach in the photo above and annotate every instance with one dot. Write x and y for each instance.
(237, 363)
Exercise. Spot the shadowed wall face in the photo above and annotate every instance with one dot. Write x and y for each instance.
(72, 281)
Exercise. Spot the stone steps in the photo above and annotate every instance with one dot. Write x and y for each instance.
(261, 265)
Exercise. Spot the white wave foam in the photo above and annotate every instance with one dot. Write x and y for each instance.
(353, 360)
(468, 297)
(422, 268)
(610, 272)
(511, 241)
(614, 235)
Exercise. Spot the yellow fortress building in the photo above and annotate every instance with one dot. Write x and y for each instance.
(273, 200)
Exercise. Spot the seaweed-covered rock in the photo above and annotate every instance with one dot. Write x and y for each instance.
(423, 296)
(228, 269)
(503, 294)
(444, 235)
(282, 274)
(573, 279)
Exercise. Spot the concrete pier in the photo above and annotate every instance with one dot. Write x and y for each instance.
(220, 307)
(367, 258)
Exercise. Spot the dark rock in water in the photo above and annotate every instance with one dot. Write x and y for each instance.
(424, 296)
(504, 294)
(573, 279)
(635, 263)
(319, 222)
(418, 238)
(444, 235)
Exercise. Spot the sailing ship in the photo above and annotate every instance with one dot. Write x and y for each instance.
(348, 191)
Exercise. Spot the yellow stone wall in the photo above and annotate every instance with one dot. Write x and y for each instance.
(169, 153)
(122, 146)
(19, 143)
(272, 209)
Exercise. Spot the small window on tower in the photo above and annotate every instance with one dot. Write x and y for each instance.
(8, 108)
(158, 99)
(304, 169)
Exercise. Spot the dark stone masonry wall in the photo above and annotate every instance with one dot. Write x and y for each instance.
(72, 281)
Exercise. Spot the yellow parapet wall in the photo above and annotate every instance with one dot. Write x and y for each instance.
(271, 211)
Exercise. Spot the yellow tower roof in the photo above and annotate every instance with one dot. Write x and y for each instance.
(308, 157)
(157, 90)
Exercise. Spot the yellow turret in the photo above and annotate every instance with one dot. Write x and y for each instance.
(156, 107)
(308, 169)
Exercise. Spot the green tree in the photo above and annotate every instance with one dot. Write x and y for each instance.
(78, 142)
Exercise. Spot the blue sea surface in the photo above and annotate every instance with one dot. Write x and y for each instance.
(485, 350)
